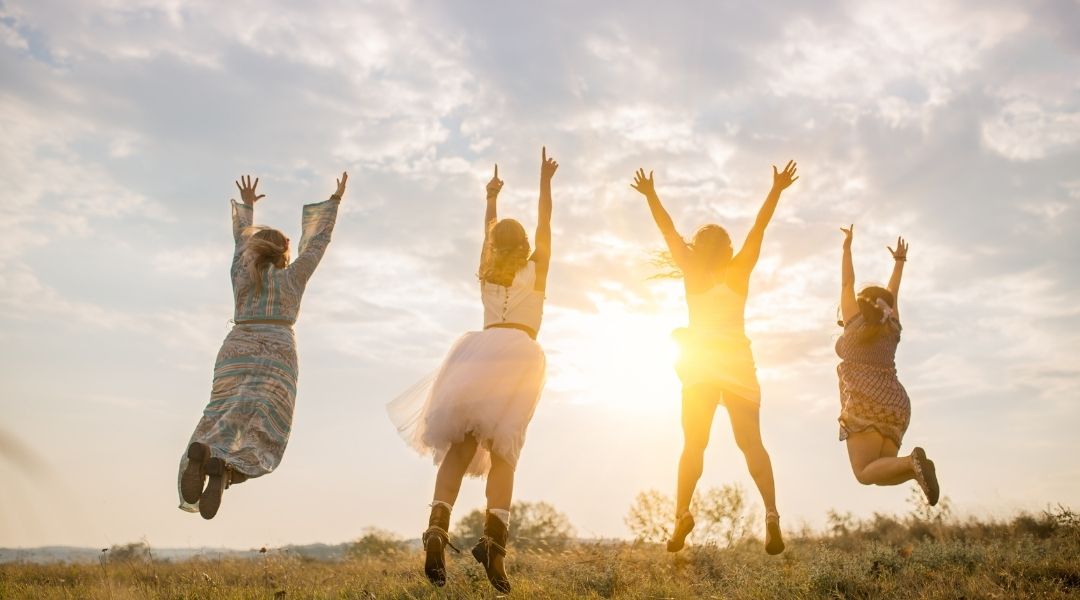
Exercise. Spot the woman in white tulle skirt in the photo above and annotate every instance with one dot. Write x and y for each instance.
(471, 415)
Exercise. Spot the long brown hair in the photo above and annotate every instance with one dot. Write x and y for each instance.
(264, 247)
(506, 253)
(710, 243)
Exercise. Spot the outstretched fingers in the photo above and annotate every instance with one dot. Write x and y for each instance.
(642, 183)
(901, 248)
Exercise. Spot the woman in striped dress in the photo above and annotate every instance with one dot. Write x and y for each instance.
(715, 365)
(874, 406)
(245, 427)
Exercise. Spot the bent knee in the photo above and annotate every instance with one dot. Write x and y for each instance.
(861, 477)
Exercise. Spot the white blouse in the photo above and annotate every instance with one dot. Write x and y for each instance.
(519, 302)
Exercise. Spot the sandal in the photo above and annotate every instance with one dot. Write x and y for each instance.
(683, 526)
(925, 475)
(774, 541)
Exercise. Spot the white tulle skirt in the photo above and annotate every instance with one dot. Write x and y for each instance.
(488, 386)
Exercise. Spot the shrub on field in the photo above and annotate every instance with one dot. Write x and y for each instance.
(650, 516)
(724, 515)
(533, 525)
(376, 542)
(129, 553)
(721, 514)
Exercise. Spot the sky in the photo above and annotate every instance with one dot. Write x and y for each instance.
(124, 125)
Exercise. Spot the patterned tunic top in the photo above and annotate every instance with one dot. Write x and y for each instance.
(871, 396)
(279, 298)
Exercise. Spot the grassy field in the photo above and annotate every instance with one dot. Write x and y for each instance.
(884, 557)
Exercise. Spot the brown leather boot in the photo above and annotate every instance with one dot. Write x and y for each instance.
(490, 551)
(194, 477)
(436, 539)
(222, 475)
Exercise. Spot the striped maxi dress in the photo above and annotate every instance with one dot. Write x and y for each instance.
(249, 417)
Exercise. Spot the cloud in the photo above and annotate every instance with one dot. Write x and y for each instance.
(954, 124)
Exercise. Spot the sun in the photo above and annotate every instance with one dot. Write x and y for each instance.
(616, 357)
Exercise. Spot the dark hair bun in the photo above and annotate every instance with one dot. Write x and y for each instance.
(869, 310)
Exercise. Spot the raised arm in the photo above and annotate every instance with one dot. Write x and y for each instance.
(317, 226)
(542, 254)
(747, 258)
(680, 253)
(899, 258)
(490, 215)
(243, 215)
(243, 212)
(849, 308)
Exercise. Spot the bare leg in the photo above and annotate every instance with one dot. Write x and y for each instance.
(500, 483)
(874, 461)
(698, 409)
(746, 425)
(452, 470)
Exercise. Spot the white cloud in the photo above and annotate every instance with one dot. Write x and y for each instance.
(124, 124)
(1025, 129)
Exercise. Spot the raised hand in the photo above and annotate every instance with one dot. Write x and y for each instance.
(247, 190)
(848, 233)
(340, 193)
(495, 185)
(900, 253)
(548, 166)
(644, 184)
(781, 180)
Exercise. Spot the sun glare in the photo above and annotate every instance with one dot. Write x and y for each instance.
(616, 357)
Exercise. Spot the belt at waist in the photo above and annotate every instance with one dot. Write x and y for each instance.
(265, 322)
(518, 326)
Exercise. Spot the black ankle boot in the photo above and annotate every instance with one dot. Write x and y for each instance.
(436, 539)
(210, 501)
(490, 550)
(193, 480)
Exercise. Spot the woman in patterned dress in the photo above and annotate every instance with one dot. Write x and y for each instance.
(874, 406)
(472, 415)
(715, 365)
(245, 427)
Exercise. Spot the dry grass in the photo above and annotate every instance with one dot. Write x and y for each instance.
(969, 560)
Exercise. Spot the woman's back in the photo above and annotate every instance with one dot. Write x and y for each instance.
(520, 302)
(278, 296)
(718, 309)
(880, 352)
